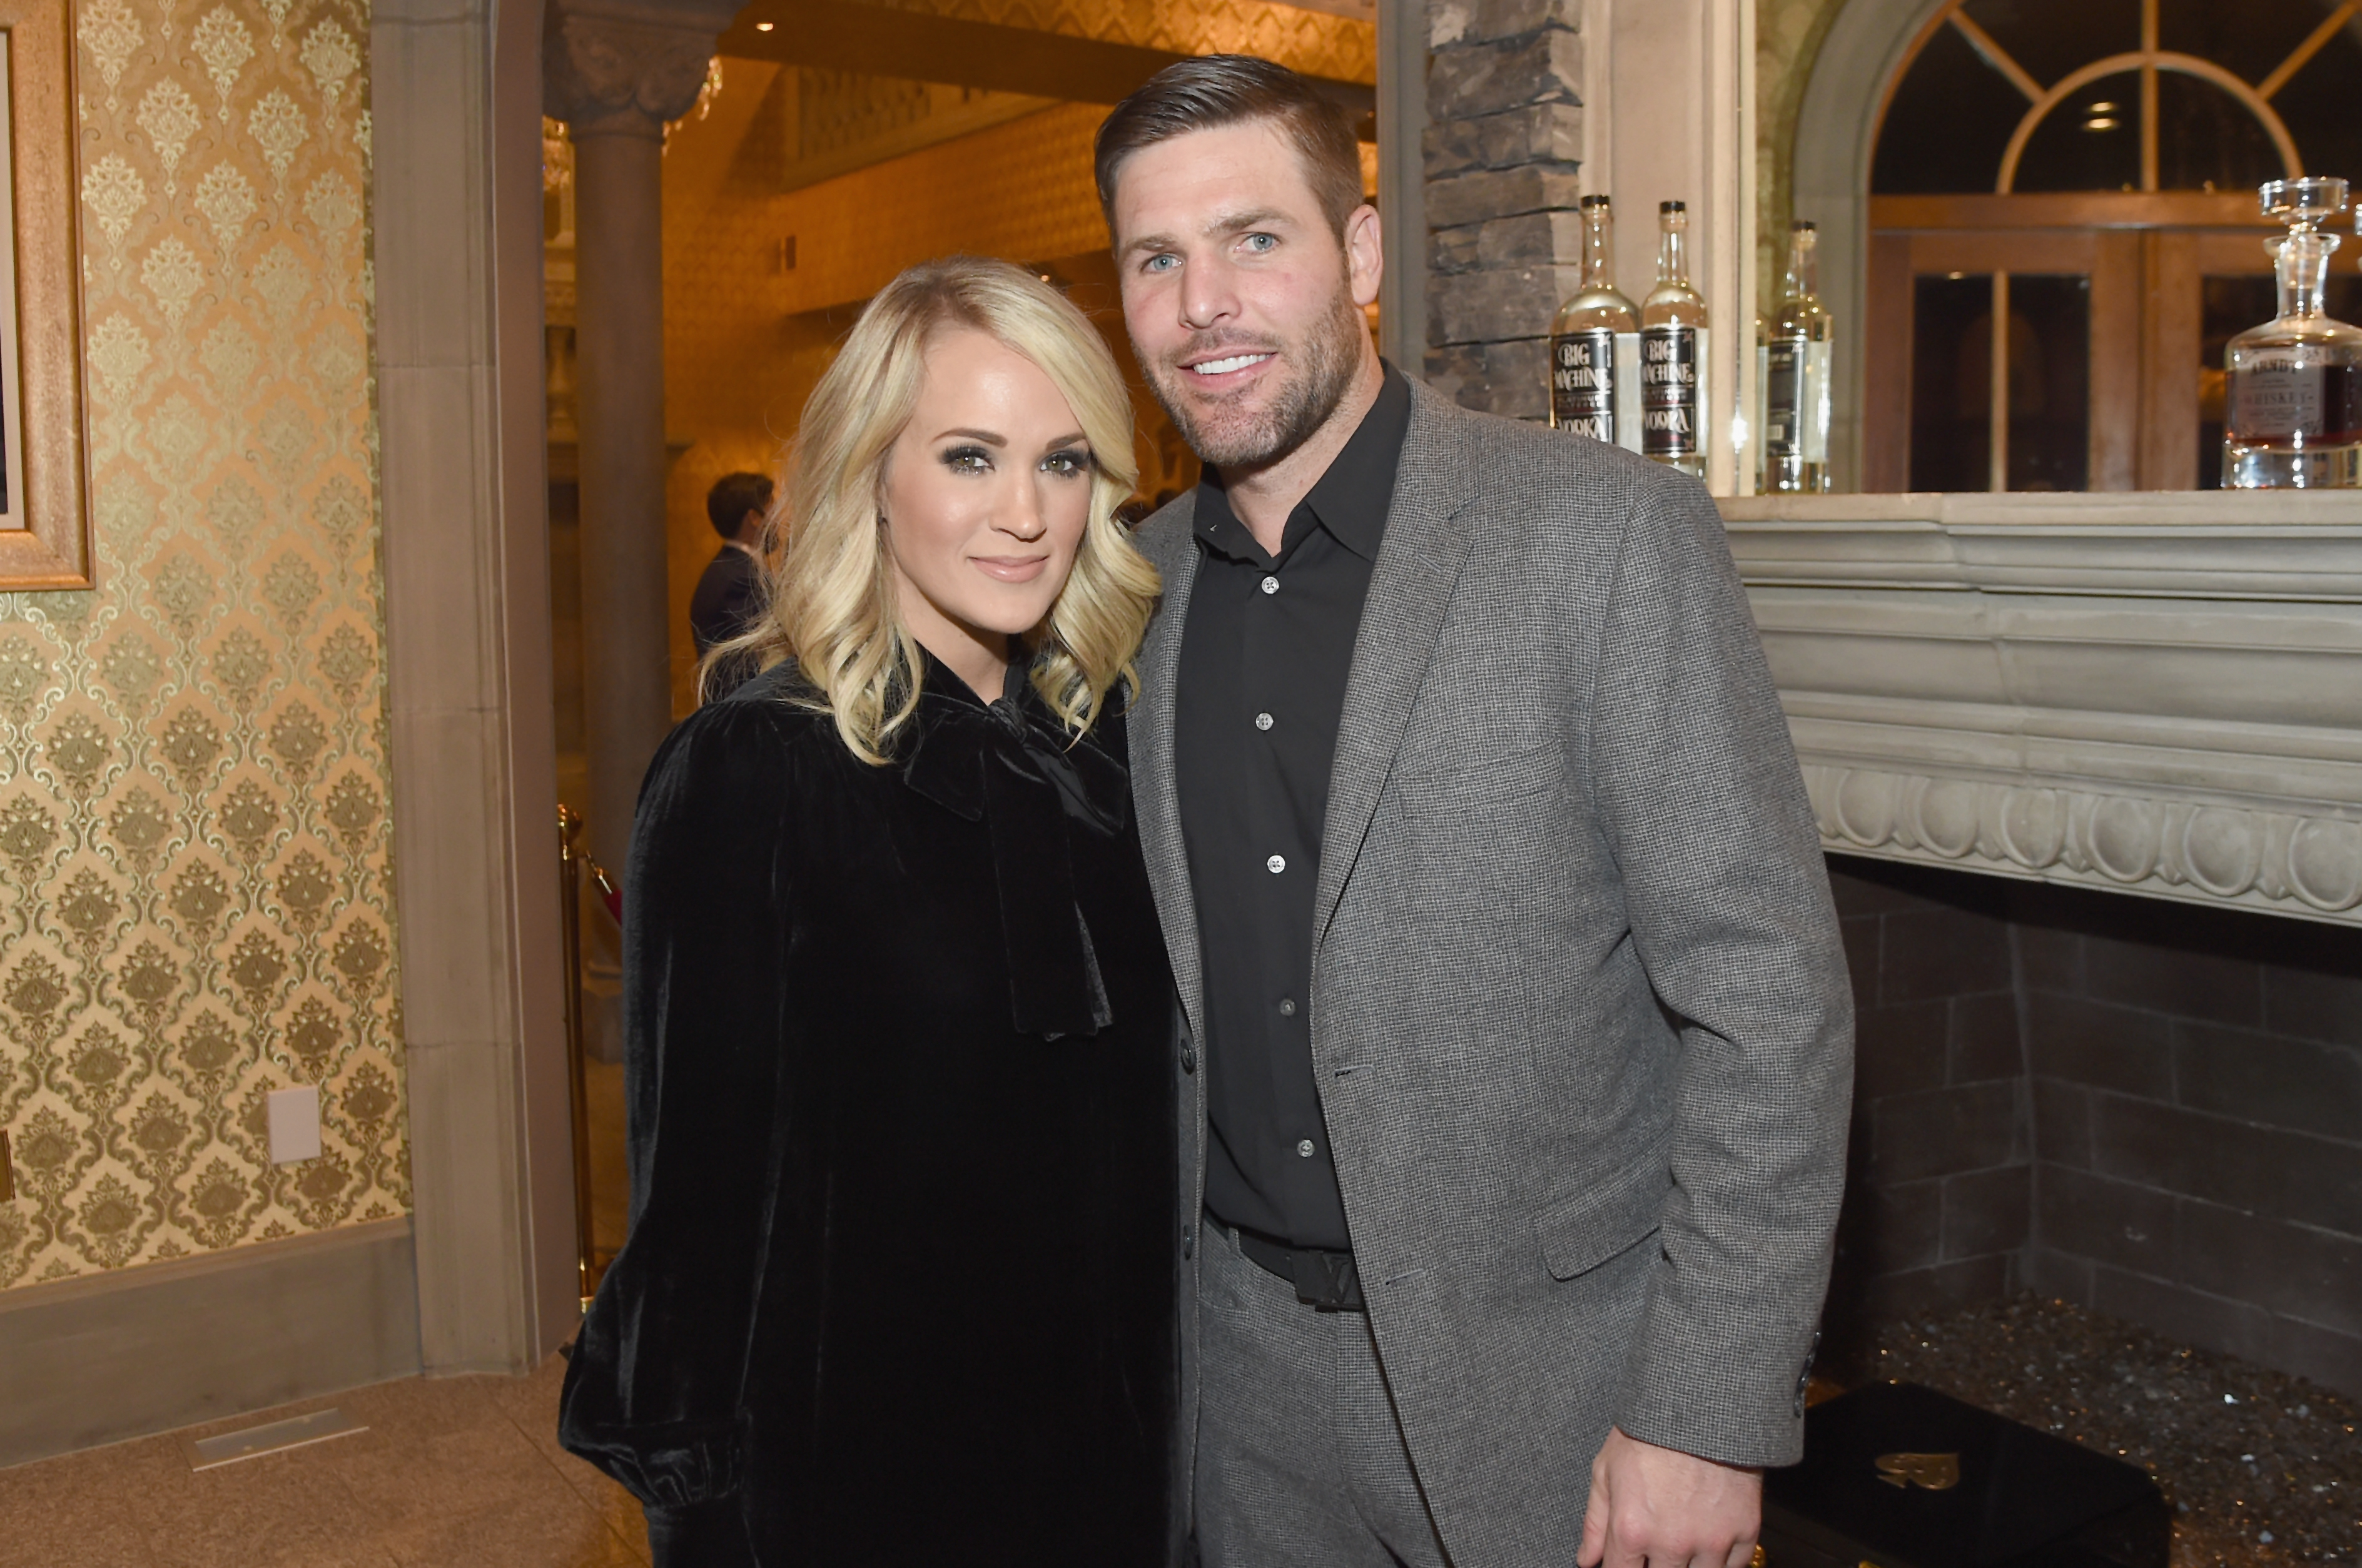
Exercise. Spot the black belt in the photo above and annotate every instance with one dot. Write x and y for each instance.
(1324, 1280)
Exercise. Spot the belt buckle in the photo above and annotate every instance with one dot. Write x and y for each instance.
(1328, 1282)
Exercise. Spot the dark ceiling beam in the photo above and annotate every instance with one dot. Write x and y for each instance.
(884, 40)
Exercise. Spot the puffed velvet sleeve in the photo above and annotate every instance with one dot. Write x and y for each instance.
(654, 1393)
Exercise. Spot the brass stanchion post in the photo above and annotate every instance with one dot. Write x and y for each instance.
(569, 865)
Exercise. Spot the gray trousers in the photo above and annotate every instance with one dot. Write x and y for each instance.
(1300, 1460)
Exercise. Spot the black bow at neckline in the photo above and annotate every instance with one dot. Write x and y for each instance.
(1011, 765)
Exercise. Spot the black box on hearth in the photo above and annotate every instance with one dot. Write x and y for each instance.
(1896, 1475)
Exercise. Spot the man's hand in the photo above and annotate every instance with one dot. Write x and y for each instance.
(1665, 1508)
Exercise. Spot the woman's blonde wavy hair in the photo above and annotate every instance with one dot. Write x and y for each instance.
(832, 605)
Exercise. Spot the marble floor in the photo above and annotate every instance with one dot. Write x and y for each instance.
(452, 1472)
(2260, 1468)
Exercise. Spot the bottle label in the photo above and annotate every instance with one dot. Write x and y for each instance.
(1796, 400)
(1672, 416)
(1628, 391)
(1784, 375)
(1583, 384)
(2273, 400)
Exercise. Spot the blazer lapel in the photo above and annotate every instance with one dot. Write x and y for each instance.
(1418, 564)
(1154, 792)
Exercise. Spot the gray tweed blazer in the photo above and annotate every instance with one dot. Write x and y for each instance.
(1580, 1017)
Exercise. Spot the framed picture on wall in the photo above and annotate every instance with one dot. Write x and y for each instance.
(44, 514)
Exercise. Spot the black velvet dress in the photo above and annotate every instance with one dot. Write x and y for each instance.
(899, 1281)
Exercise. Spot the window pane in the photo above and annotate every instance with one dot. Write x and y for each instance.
(2233, 304)
(1951, 371)
(2051, 37)
(1946, 125)
(2090, 142)
(2049, 382)
(2249, 39)
(2208, 140)
(2319, 106)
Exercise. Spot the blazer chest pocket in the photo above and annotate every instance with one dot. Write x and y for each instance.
(1432, 786)
(1579, 1233)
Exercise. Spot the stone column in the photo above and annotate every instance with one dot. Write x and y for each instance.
(615, 73)
(1504, 145)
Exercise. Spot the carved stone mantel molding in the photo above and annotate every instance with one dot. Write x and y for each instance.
(2154, 694)
(612, 68)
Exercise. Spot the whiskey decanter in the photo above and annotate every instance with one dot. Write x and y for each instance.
(2293, 413)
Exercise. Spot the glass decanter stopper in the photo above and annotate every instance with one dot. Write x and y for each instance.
(2293, 414)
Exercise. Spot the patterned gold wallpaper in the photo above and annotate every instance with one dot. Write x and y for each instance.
(1318, 43)
(195, 892)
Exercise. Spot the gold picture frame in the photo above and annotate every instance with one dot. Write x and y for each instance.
(45, 538)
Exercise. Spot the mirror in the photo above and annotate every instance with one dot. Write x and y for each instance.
(2039, 224)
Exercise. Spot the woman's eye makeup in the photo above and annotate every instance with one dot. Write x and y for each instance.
(1071, 461)
(968, 460)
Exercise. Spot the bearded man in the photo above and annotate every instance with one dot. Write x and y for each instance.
(1514, 1032)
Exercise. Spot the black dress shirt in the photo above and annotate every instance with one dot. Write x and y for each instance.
(1262, 684)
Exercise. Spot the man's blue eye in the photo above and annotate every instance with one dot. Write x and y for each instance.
(1262, 242)
(1165, 263)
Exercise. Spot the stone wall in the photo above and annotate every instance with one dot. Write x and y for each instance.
(1503, 155)
(2197, 1096)
(2146, 1108)
(1939, 1186)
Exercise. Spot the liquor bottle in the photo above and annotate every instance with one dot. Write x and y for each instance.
(1674, 353)
(2292, 409)
(1587, 379)
(1795, 376)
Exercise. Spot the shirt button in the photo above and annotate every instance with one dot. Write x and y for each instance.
(1287, 1007)
(1188, 1242)
(1304, 1148)
(1271, 585)
(1189, 1060)
(1276, 864)
(1263, 721)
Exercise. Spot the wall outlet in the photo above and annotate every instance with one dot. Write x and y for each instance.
(295, 1125)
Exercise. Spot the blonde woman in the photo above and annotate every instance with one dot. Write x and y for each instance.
(899, 1281)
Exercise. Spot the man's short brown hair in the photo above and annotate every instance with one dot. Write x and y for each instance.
(1217, 90)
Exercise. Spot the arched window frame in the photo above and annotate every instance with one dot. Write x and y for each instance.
(2148, 61)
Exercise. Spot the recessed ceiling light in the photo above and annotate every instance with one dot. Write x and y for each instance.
(764, 26)
(2100, 123)
(2104, 107)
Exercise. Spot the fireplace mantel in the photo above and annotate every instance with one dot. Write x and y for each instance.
(2152, 694)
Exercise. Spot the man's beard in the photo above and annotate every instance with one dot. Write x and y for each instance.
(1234, 438)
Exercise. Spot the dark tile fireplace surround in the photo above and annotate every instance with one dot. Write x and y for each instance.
(2151, 1109)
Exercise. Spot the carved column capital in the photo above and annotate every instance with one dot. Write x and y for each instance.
(621, 68)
